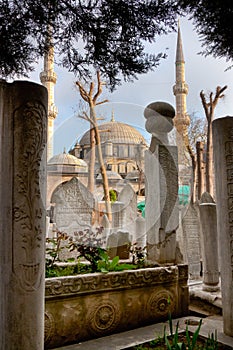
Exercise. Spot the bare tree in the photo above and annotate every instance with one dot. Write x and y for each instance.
(91, 98)
(209, 108)
(196, 134)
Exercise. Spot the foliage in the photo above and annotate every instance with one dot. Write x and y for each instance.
(67, 270)
(106, 265)
(108, 35)
(138, 254)
(113, 195)
(176, 341)
(213, 22)
(88, 246)
(53, 247)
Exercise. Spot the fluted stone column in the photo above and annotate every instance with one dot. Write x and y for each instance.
(223, 162)
(208, 218)
(23, 126)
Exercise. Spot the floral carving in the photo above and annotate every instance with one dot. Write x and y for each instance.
(29, 179)
(125, 279)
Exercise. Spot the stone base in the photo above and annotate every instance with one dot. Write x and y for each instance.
(210, 288)
(164, 252)
(94, 305)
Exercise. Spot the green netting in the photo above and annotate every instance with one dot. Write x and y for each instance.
(183, 193)
(141, 207)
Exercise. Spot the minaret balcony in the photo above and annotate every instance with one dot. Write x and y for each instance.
(49, 76)
(52, 111)
(180, 88)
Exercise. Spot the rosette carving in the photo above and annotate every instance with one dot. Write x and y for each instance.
(160, 303)
(104, 317)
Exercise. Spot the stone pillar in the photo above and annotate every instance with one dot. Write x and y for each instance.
(223, 161)
(23, 125)
(209, 243)
(140, 237)
(118, 216)
(107, 228)
(161, 172)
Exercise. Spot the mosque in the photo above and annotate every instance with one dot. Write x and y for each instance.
(122, 145)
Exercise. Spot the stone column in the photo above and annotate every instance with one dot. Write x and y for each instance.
(23, 125)
(223, 161)
(161, 172)
(209, 243)
(140, 237)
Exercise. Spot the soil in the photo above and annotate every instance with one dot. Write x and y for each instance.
(201, 343)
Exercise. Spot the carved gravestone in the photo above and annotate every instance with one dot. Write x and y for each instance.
(118, 244)
(129, 198)
(74, 207)
(118, 216)
(223, 162)
(191, 237)
(161, 173)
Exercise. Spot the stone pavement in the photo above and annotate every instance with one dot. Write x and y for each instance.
(123, 340)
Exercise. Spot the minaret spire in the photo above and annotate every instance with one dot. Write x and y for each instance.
(48, 78)
(180, 90)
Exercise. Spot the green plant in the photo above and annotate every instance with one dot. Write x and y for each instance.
(53, 247)
(138, 254)
(113, 195)
(105, 264)
(88, 246)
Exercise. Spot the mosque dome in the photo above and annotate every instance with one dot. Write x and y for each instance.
(66, 159)
(66, 163)
(112, 176)
(115, 132)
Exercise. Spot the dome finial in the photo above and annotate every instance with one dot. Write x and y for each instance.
(112, 118)
(64, 150)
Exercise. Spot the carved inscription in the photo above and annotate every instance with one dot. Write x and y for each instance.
(29, 189)
(74, 206)
(169, 185)
(229, 172)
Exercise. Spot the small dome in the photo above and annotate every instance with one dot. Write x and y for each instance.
(111, 176)
(66, 159)
(115, 132)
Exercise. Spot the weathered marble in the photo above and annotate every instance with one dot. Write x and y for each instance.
(23, 125)
(140, 237)
(161, 172)
(223, 162)
(95, 305)
(129, 198)
(191, 237)
(74, 207)
(209, 241)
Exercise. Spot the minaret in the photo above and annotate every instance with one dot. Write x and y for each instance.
(48, 78)
(180, 90)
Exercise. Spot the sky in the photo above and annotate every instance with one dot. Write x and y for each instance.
(129, 100)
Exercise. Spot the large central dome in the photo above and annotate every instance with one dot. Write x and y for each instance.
(115, 132)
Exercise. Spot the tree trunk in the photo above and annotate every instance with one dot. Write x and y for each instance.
(200, 169)
(91, 167)
(102, 166)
